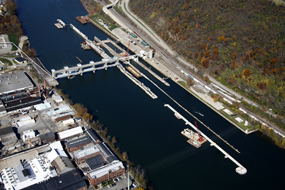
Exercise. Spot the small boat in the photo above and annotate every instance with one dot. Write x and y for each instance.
(177, 115)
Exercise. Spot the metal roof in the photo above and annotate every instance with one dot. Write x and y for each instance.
(70, 132)
(96, 162)
(71, 180)
(112, 158)
(20, 59)
(47, 136)
(93, 135)
(6, 131)
(104, 170)
(78, 142)
(104, 149)
(17, 80)
(86, 152)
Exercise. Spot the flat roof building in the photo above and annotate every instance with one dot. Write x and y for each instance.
(18, 80)
(70, 133)
(38, 169)
(95, 138)
(8, 136)
(21, 60)
(106, 172)
(76, 144)
(47, 137)
(71, 180)
(2, 108)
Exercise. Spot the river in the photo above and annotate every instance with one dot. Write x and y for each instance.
(144, 128)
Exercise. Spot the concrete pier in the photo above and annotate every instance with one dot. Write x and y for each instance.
(240, 169)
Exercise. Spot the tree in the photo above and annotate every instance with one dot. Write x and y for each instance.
(234, 65)
(125, 156)
(207, 53)
(216, 51)
(231, 80)
(189, 81)
(234, 56)
(205, 63)
(11, 7)
(105, 132)
(247, 72)
(114, 140)
(221, 38)
(227, 39)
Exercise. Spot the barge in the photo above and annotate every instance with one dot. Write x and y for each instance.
(194, 138)
(82, 19)
(134, 72)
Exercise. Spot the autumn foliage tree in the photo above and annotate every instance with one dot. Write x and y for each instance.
(234, 56)
(231, 80)
(247, 72)
(205, 63)
(216, 51)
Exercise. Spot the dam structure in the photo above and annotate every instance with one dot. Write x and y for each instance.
(79, 69)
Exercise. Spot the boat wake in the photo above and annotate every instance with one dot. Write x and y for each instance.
(195, 111)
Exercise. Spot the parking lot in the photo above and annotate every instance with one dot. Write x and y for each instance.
(120, 184)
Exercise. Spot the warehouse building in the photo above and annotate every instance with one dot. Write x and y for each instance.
(33, 169)
(69, 181)
(8, 136)
(64, 135)
(16, 81)
(106, 173)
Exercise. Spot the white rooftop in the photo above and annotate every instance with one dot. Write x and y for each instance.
(104, 170)
(86, 152)
(38, 170)
(17, 80)
(70, 132)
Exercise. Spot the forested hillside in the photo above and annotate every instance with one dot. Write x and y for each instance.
(239, 42)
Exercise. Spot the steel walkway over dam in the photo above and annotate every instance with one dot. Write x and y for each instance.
(91, 66)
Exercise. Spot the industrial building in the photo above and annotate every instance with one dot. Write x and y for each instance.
(16, 81)
(77, 144)
(2, 109)
(8, 136)
(21, 60)
(41, 167)
(47, 137)
(77, 131)
(106, 173)
(94, 158)
(71, 180)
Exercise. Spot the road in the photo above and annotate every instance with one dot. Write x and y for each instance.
(170, 57)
